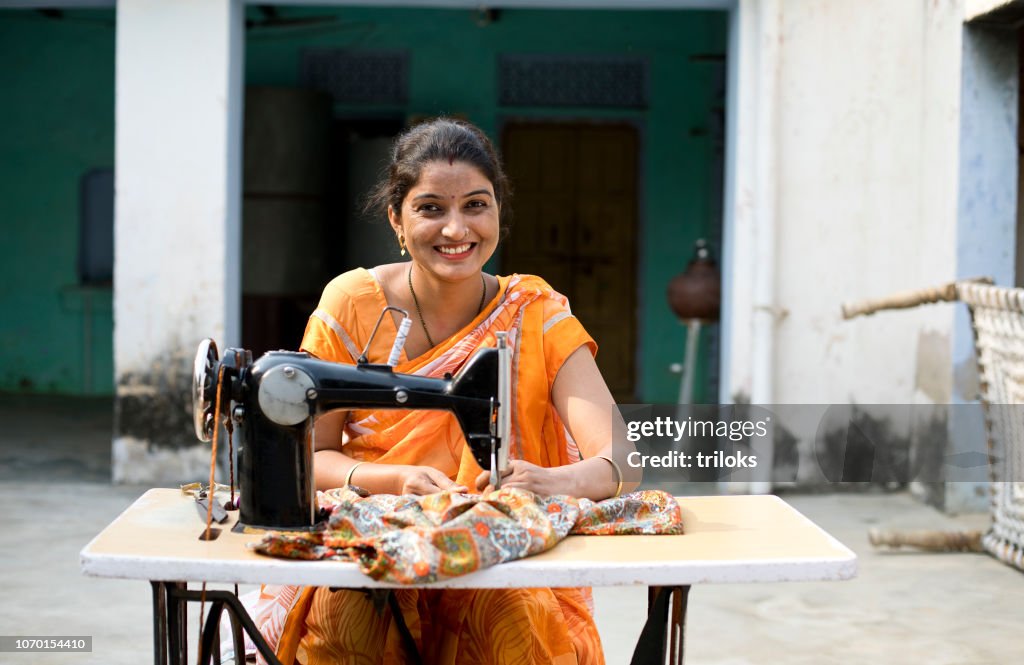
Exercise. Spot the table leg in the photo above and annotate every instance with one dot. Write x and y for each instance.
(177, 623)
(159, 623)
(677, 625)
(663, 634)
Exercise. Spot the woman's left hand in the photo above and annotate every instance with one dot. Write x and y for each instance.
(524, 475)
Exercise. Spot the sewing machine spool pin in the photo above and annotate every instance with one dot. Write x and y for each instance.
(399, 343)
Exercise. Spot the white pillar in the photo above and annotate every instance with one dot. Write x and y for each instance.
(749, 311)
(178, 135)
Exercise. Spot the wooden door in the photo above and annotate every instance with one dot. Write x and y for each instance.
(575, 225)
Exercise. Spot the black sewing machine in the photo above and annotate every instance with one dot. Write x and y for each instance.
(273, 401)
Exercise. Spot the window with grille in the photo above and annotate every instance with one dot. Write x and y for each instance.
(358, 77)
(607, 81)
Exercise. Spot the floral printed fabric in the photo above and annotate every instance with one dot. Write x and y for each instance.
(418, 539)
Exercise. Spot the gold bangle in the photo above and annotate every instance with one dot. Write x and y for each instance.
(351, 470)
(618, 474)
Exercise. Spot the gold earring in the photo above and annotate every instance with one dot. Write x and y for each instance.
(401, 243)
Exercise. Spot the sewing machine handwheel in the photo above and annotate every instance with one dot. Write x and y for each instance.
(204, 385)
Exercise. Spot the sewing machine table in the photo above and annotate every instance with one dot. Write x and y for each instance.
(728, 539)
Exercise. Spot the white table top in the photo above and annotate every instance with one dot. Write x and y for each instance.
(727, 539)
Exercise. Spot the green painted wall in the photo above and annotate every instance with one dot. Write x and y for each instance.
(453, 70)
(56, 124)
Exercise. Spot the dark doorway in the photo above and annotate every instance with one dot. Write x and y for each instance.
(306, 175)
(285, 183)
(575, 224)
(361, 150)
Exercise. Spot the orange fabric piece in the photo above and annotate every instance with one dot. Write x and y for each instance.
(451, 626)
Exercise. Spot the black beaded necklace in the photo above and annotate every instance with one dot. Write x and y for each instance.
(419, 312)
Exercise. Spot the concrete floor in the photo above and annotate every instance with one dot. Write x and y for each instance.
(904, 607)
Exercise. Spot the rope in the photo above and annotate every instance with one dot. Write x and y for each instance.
(948, 292)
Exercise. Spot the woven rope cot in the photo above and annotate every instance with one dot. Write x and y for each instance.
(997, 317)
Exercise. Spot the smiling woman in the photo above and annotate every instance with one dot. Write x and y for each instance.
(444, 195)
(449, 224)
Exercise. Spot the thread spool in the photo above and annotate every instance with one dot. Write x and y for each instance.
(396, 348)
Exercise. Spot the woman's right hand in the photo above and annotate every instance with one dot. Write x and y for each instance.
(421, 480)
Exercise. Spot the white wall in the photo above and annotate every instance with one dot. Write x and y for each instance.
(894, 140)
(865, 141)
(178, 122)
(867, 190)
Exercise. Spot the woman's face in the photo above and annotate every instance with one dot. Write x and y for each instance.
(450, 220)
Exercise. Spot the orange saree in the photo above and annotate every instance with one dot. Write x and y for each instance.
(449, 626)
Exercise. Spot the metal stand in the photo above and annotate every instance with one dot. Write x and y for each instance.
(688, 369)
(661, 641)
(693, 327)
(170, 621)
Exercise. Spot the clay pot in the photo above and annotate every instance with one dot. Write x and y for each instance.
(696, 293)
